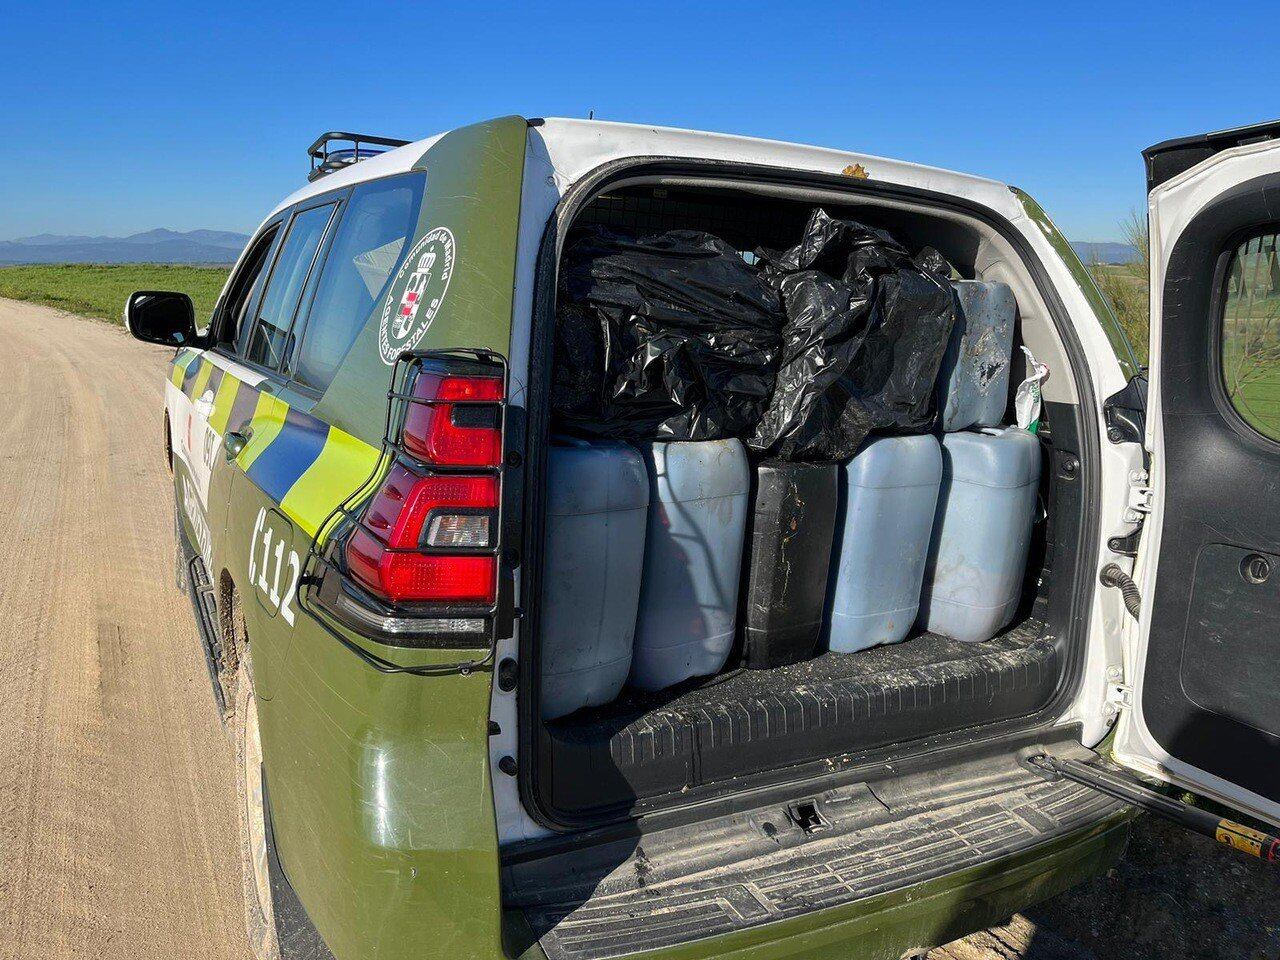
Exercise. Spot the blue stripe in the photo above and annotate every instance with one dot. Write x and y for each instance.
(214, 381)
(189, 378)
(294, 449)
(242, 408)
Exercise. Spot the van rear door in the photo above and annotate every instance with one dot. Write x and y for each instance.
(1205, 654)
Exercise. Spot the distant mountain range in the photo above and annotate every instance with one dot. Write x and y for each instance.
(1104, 252)
(153, 246)
(220, 246)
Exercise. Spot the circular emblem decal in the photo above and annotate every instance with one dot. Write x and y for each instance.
(406, 318)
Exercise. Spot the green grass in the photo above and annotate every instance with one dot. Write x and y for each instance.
(1251, 363)
(1126, 287)
(98, 290)
(1250, 349)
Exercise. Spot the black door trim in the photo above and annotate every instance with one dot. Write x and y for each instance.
(1202, 661)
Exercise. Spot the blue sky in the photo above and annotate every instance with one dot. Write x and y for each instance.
(119, 118)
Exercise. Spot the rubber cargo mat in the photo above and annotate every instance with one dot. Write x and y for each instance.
(646, 746)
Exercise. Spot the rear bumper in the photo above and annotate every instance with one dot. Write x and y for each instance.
(928, 914)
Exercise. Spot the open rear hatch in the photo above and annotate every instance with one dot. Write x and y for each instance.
(621, 744)
(785, 857)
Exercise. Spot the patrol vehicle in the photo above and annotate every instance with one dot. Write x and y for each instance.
(359, 444)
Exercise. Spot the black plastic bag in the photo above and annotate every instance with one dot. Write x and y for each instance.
(866, 328)
(671, 336)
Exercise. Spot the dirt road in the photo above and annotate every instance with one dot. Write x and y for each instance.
(117, 820)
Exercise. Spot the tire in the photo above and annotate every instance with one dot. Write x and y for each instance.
(259, 911)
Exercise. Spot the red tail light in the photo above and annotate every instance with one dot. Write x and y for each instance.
(418, 537)
(398, 511)
(454, 434)
(418, 577)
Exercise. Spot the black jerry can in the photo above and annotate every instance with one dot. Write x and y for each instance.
(793, 523)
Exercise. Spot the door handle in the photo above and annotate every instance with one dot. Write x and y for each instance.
(234, 442)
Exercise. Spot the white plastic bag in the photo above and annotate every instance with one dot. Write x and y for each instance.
(1026, 402)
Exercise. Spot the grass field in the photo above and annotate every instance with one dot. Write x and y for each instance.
(94, 290)
(1251, 368)
(1126, 287)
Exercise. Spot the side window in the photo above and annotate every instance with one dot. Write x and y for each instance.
(1251, 334)
(268, 338)
(230, 318)
(367, 248)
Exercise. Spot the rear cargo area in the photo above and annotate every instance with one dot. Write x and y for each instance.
(752, 579)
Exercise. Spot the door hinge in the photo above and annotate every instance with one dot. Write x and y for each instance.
(1126, 412)
(1119, 694)
(1139, 503)
(1126, 546)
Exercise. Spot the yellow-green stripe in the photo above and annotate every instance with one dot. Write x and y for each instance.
(223, 403)
(344, 463)
(266, 422)
(202, 380)
(180, 364)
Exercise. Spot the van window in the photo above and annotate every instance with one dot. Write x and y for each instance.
(366, 251)
(1251, 334)
(268, 340)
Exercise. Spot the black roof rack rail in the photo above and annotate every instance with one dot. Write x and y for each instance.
(325, 158)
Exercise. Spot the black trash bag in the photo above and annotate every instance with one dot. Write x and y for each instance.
(577, 372)
(931, 261)
(668, 336)
(865, 333)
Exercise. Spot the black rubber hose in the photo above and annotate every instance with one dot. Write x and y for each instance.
(1113, 576)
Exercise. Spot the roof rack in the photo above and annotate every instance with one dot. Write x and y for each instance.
(325, 158)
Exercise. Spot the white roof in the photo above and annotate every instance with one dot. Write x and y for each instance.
(575, 147)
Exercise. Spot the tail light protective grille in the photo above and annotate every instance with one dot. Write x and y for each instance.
(342, 594)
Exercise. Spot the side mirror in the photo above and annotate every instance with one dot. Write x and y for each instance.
(158, 316)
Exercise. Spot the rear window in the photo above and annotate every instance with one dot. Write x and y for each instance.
(1251, 334)
(367, 249)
